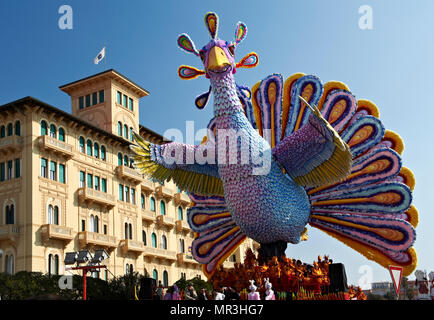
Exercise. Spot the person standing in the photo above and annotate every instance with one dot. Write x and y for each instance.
(202, 295)
(190, 293)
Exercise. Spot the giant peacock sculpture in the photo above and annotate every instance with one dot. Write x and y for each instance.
(283, 155)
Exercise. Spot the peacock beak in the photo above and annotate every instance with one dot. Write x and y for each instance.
(217, 59)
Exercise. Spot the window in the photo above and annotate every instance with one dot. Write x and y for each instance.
(89, 147)
(53, 170)
(154, 240)
(62, 175)
(155, 275)
(119, 128)
(94, 98)
(53, 214)
(2, 131)
(163, 242)
(83, 225)
(180, 214)
(127, 194)
(103, 155)
(105, 229)
(131, 133)
(10, 165)
(96, 226)
(96, 150)
(92, 223)
(233, 258)
(53, 131)
(17, 168)
(88, 100)
(10, 129)
(133, 196)
(165, 279)
(119, 97)
(10, 214)
(121, 192)
(124, 101)
(125, 131)
(130, 231)
(162, 207)
(97, 183)
(126, 160)
(44, 164)
(132, 163)
(142, 201)
(144, 237)
(10, 264)
(2, 171)
(89, 180)
(101, 96)
(81, 179)
(182, 245)
(119, 159)
(103, 185)
(152, 203)
(18, 128)
(81, 144)
(130, 104)
(126, 230)
(50, 263)
(56, 264)
(61, 134)
(43, 128)
(81, 102)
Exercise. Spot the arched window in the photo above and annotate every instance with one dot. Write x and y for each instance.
(142, 201)
(152, 203)
(119, 159)
(53, 131)
(62, 134)
(126, 230)
(165, 279)
(50, 264)
(81, 144)
(130, 231)
(10, 129)
(10, 214)
(181, 245)
(89, 147)
(96, 150)
(119, 128)
(144, 237)
(53, 264)
(56, 264)
(154, 240)
(43, 128)
(2, 131)
(126, 160)
(18, 128)
(56, 215)
(162, 207)
(180, 213)
(103, 155)
(155, 275)
(131, 133)
(127, 268)
(92, 223)
(163, 242)
(125, 131)
(10, 264)
(96, 227)
(50, 214)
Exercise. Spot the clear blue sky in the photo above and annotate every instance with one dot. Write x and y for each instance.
(392, 65)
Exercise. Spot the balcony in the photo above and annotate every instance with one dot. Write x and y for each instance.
(182, 198)
(128, 245)
(130, 174)
(58, 147)
(181, 225)
(90, 239)
(148, 216)
(55, 232)
(147, 186)
(164, 220)
(11, 143)
(9, 234)
(185, 258)
(164, 192)
(89, 196)
(161, 254)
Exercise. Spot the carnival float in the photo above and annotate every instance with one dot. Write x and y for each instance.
(331, 164)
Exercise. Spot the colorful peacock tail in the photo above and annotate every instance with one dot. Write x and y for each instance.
(371, 209)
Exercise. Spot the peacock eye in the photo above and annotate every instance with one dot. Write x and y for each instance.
(231, 49)
(202, 55)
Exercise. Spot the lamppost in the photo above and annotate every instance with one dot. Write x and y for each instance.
(93, 263)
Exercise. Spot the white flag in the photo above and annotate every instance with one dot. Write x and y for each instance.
(100, 56)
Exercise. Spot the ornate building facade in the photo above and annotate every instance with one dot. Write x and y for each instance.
(67, 184)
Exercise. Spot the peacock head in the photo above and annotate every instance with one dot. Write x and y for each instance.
(218, 56)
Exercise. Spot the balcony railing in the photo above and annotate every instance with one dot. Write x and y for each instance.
(148, 215)
(181, 225)
(56, 146)
(147, 185)
(163, 192)
(53, 231)
(185, 258)
(129, 174)
(182, 198)
(90, 239)
(164, 220)
(11, 143)
(9, 233)
(160, 254)
(94, 196)
(128, 245)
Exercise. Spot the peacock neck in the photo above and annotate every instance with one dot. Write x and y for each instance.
(226, 101)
